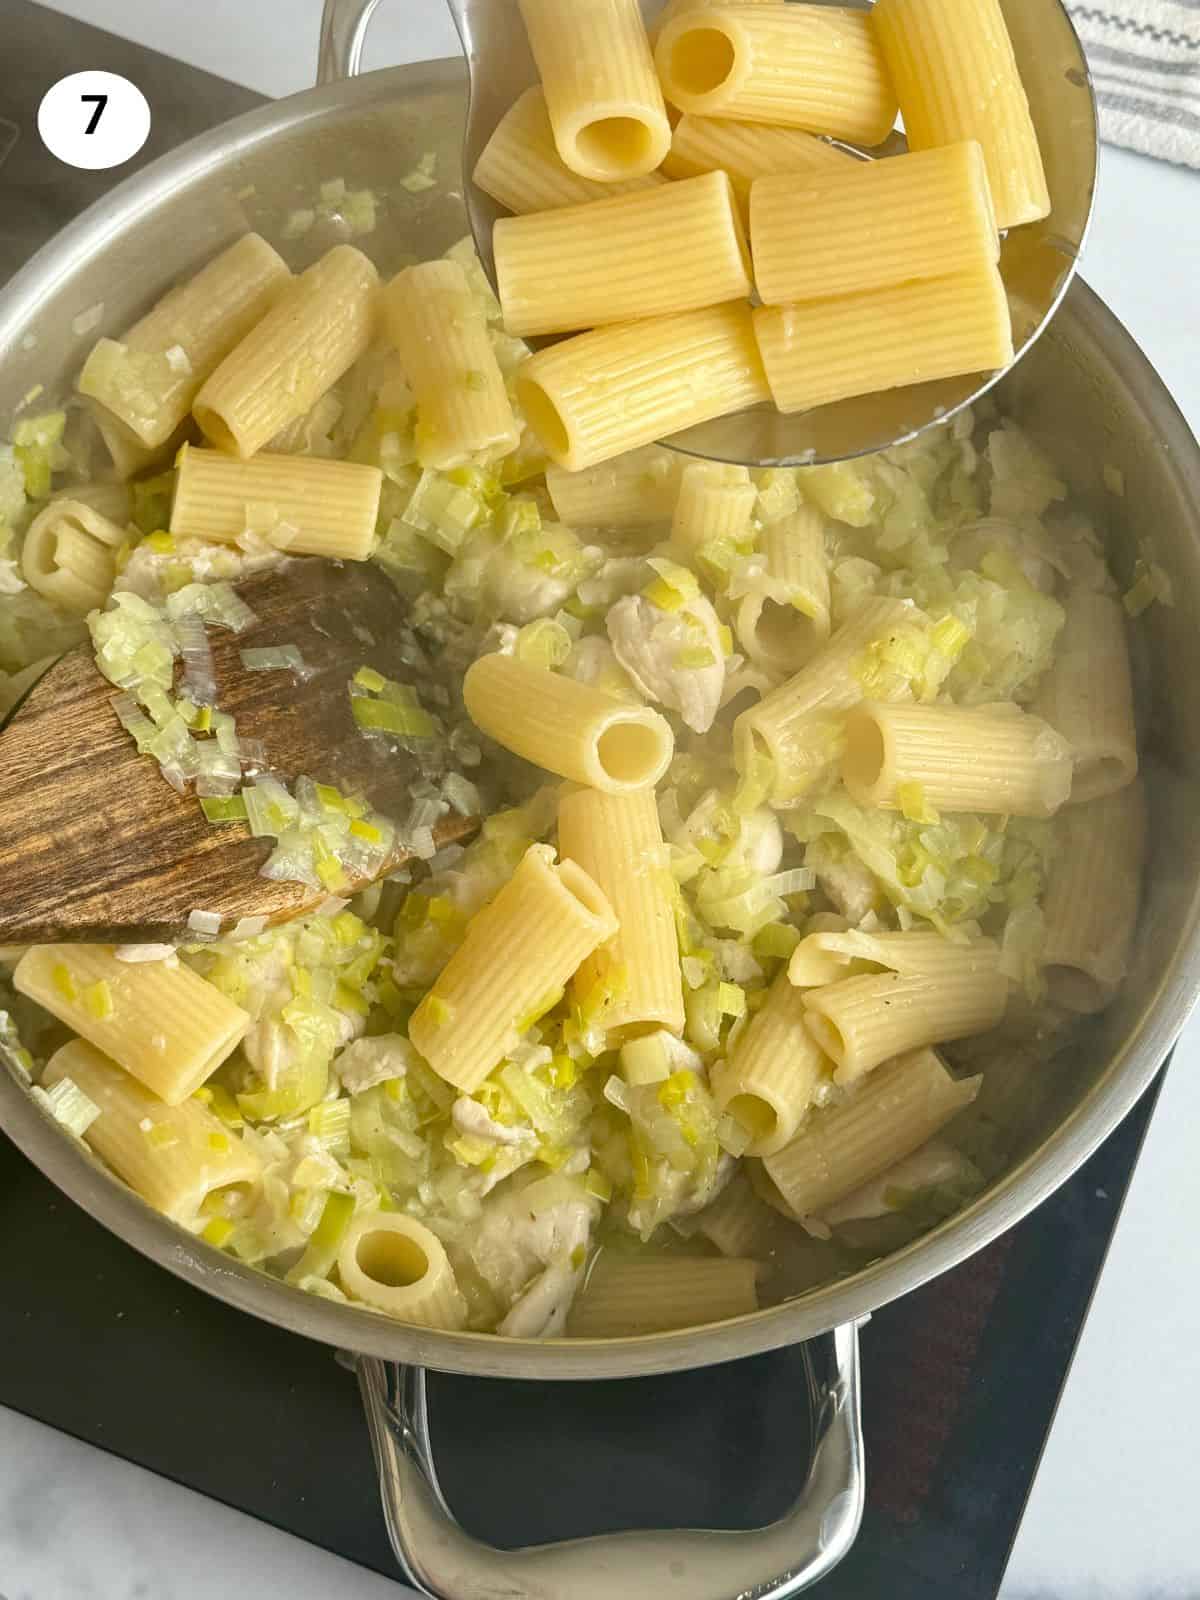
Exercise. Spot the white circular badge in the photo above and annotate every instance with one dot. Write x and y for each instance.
(94, 120)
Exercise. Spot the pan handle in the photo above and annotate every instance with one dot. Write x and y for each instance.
(770, 1563)
(343, 30)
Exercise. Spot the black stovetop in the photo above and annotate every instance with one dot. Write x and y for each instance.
(273, 1425)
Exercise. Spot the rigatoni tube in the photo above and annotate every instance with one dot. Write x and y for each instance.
(771, 1076)
(1087, 696)
(798, 727)
(624, 1297)
(886, 1118)
(604, 100)
(867, 224)
(823, 958)
(827, 350)
(69, 555)
(813, 67)
(519, 953)
(1092, 897)
(784, 626)
(174, 1156)
(994, 759)
(861, 1022)
(634, 490)
(313, 333)
(439, 331)
(150, 376)
(608, 258)
(521, 168)
(301, 504)
(618, 841)
(715, 506)
(739, 1223)
(595, 396)
(956, 77)
(567, 727)
(746, 150)
(159, 1020)
(394, 1264)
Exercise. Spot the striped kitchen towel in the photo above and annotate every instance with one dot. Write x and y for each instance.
(1145, 60)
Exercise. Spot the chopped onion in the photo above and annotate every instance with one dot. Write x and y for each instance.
(205, 923)
(199, 677)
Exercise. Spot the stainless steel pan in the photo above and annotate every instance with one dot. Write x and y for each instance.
(1091, 397)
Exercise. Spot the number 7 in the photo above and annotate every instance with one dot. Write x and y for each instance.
(100, 101)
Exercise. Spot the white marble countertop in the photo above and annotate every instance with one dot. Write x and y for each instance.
(1113, 1508)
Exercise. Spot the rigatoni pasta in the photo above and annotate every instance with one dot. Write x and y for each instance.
(608, 258)
(69, 555)
(865, 225)
(861, 1022)
(828, 350)
(315, 330)
(160, 1021)
(715, 505)
(149, 377)
(566, 727)
(996, 759)
(625, 1297)
(634, 490)
(886, 1118)
(1092, 897)
(521, 168)
(601, 393)
(394, 1264)
(739, 1223)
(605, 103)
(517, 957)
(813, 67)
(955, 76)
(618, 841)
(176, 1157)
(299, 504)
(771, 1077)
(463, 409)
(1087, 696)
(746, 151)
(783, 625)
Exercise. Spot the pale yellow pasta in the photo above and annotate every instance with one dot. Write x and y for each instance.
(394, 1264)
(310, 434)
(302, 504)
(69, 555)
(1087, 695)
(635, 490)
(128, 456)
(828, 956)
(625, 1297)
(618, 841)
(798, 727)
(867, 224)
(521, 168)
(801, 66)
(566, 727)
(591, 265)
(150, 376)
(158, 1020)
(955, 75)
(1092, 896)
(595, 396)
(174, 1156)
(438, 328)
(715, 506)
(519, 953)
(676, 8)
(746, 150)
(994, 759)
(314, 332)
(842, 1146)
(739, 1223)
(785, 628)
(604, 100)
(829, 350)
(111, 500)
(773, 1072)
(861, 1022)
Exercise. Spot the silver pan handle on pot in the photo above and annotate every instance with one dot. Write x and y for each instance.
(771, 1563)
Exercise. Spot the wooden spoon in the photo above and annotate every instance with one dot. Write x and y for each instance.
(96, 846)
